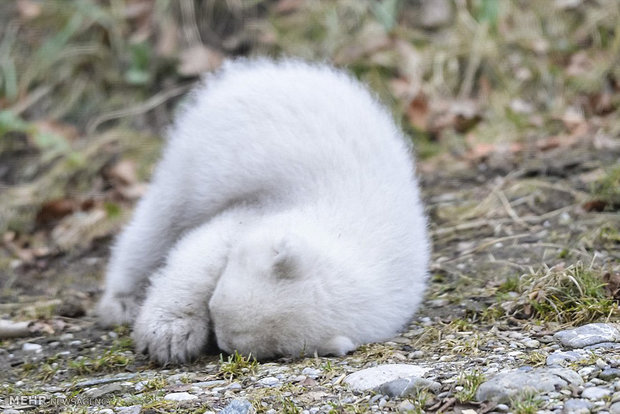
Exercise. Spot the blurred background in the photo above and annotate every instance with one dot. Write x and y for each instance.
(486, 88)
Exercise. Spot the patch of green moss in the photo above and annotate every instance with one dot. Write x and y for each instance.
(607, 189)
(573, 294)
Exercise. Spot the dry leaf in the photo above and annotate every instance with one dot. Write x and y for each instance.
(288, 6)
(54, 210)
(198, 59)
(594, 205)
(123, 173)
(612, 281)
(418, 112)
(67, 131)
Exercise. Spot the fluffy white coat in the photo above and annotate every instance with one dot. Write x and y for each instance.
(284, 219)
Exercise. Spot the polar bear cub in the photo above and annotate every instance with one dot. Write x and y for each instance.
(283, 219)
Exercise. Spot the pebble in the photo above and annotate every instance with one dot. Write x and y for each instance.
(586, 335)
(406, 406)
(269, 381)
(311, 372)
(101, 391)
(604, 345)
(179, 378)
(531, 343)
(30, 347)
(239, 406)
(561, 358)
(502, 407)
(577, 406)
(615, 408)
(595, 393)
(416, 355)
(66, 336)
(403, 387)
(609, 374)
(132, 409)
(503, 386)
(106, 380)
(179, 396)
(371, 378)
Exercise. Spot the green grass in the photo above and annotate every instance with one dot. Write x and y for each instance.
(470, 382)
(237, 365)
(607, 189)
(111, 361)
(526, 403)
(574, 294)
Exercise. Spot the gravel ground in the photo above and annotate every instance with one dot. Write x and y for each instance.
(475, 346)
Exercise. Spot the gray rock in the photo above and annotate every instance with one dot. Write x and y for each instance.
(106, 380)
(179, 396)
(406, 407)
(595, 393)
(615, 408)
(239, 406)
(407, 386)
(371, 378)
(208, 384)
(66, 336)
(180, 378)
(577, 406)
(132, 409)
(604, 345)
(103, 390)
(505, 385)
(311, 372)
(560, 358)
(593, 333)
(609, 374)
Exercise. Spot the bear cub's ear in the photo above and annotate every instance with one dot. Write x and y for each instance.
(288, 257)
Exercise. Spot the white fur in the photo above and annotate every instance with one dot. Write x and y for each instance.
(285, 214)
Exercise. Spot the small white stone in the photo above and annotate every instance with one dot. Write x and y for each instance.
(30, 347)
(132, 409)
(234, 386)
(311, 372)
(370, 378)
(180, 396)
(66, 336)
(269, 381)
(406, 406)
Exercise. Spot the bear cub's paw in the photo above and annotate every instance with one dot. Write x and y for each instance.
(170, 337)
(117, 309)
